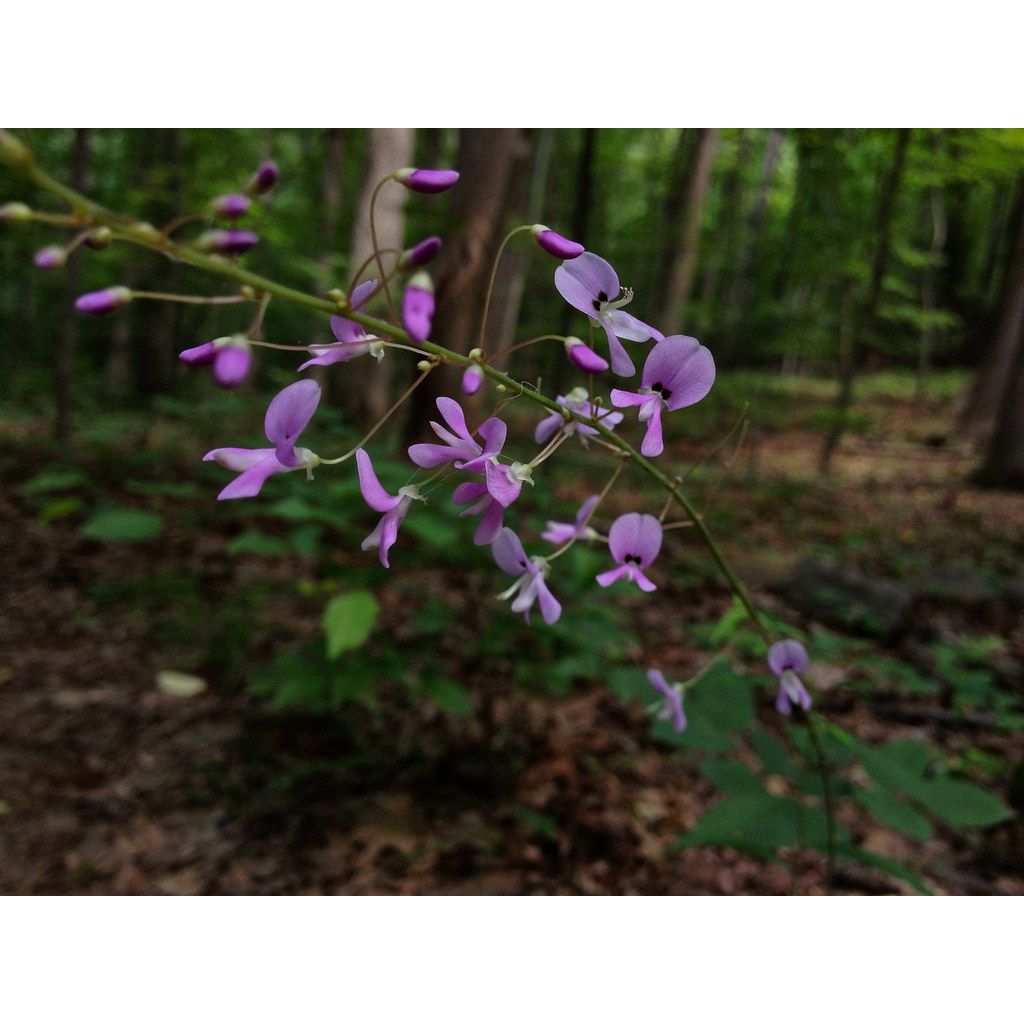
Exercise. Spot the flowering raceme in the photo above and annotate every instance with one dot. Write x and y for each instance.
(394, 507)
(352, 338)
(530, 586)
(560, 533)
(577, 401)
(787, 659)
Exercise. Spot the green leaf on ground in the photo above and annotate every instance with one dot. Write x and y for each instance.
(348, 620)
(123, 525)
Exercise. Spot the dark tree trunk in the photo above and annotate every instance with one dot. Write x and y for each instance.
(686, 231)
(884, 215)
(67, 332)
(982, 408)
(486, 157)
(929, 290)
(582, 214)
(1004, 461)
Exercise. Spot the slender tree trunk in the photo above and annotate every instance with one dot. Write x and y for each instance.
(582, 214)
(687, 231)
(362, 385)
(1004, 461)
(982, 408)
(884, 215)
(742, 287)
(929, 291)
(330, 210)
(67, 333)
(486, 157)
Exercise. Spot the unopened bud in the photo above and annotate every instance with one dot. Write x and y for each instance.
(231, 206)
(247, 291)
(104, 301)
(99, 238)
(147, 231)
(584, 357)
(472, 379)
(50, 258)
(558, 245)
(264, 179)
(14, 152)
(424, 364)
(338, 296)
(429, 182)
(420, 254)
(15, 213)
(232, 361)
(228, 241)
(418, 306)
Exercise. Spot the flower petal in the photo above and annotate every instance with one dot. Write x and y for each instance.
(628, 327)
(606, 579)
(550, 608)
(373, 493)
(584, 278)
(501, 485)
(237, 459)
(622, 365)
(509, 554)
(787, 654)
(653, 443)
(490, 524)
(624, 399)
(248, 483)
(547, 427)
(558, 533)
(287, 416)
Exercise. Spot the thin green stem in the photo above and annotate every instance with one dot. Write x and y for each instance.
(830, 811)
(194, 300)
(490, 284)
(376, 246)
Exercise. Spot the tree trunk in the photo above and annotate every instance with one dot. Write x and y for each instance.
(1004, 462)
(67, 333)
(361, 386)
(929, 291)
(486, 156)
(742, 287)
(330, 211)
(884, 215)
(581, 214)
(686, 231)
(983, 404)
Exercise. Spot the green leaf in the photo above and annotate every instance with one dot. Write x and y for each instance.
(630, 684)
(753, 822)
(723, 699)
(773, 754)
(123, 525)
(53, 480)
(731, 776)
(892, 811)
(536, 822)
(698, 735)
(891, 867)
(898, 766)
(58, 509)
(256, 543)
(348, 620)
(961, 804)
(449, 695)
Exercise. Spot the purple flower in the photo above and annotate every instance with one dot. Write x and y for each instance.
(287, 416)
(50, 258)
(530, 586)
(591, 285)
(560, 533)
(418, 306)
(481, 503)
(228, 241)
(230, 357)
(577, 401)
(459, 448)
(670, 708)
(634, 542)
(472, 379)
(555, 244)
(679, 371)
(584, 357)
(352, 337)
(428, 181)
(104, 301)
(394, 507)
(231, 206)
(420, 254)
(787, 659)
(264, 179)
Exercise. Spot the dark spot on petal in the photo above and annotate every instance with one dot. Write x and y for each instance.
(635, 559)
(603, 296)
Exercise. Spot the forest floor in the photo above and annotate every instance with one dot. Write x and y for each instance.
(109, 784)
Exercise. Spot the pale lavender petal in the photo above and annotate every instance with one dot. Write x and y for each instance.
(606, 579)
(472, 379)
(509, 554)
(550, 608)
(527, 595)
(328, 355)
(574, 291)
(653, 443)
(237, 459)
(585, 358)
(623, 536)
(657, 679)
(547, 427)
(681, 369)
(361, 293)
(467, 492)
(648, 539)
(490, 524)
(373, 493)
(248, 483)
(417, 312)
(454, 417)
(622, 365)
(558, 533)
(627, 326)
(782, 704)
(493, 431)
(787, 654)
(201, 355)
(389, 534)
(231, 365)
(427, 456)
(642, 581)
(287, 416)
(501, 485)
(593, 276)
(624, 399)
(585, 509)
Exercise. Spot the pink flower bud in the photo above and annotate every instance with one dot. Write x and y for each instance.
(105, 301)
(231, 206)
(418, 306)
(228, 241)
(201, 355)
(232, 363)
(427, 181)
(558, 245)
(421, 253)
(50, 258)
(584, 357)
(472, 379)
(264, 179)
